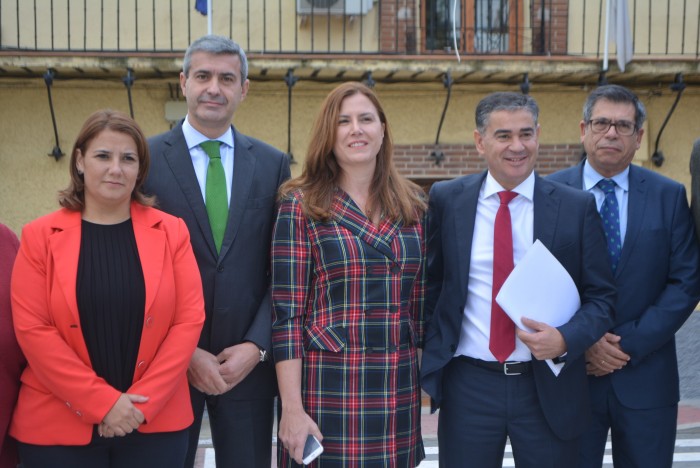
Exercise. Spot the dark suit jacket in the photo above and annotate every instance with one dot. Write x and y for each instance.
(695, 185)
(658, 286)
(567, 223)
(236, 282)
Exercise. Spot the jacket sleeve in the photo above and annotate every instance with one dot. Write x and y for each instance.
(291, 273)
(260, 330)
(656, 325)
(418, 293)
(52, 360)
(169, 365)
(595, 317)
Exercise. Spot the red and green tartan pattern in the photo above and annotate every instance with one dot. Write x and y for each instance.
(348, 299)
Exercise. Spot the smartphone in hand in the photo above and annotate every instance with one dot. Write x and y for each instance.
(312, 449)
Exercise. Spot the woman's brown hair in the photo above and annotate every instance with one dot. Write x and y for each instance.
(73, 196)
(395, 196)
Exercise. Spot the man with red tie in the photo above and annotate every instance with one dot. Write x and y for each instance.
(486, 374)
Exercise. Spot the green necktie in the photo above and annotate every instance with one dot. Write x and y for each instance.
(215, 192)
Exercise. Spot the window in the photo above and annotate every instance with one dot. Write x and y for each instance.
(479, 26)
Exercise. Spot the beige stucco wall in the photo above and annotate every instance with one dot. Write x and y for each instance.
(29, 179)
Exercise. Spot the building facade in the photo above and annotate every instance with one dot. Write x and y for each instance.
(430, 62)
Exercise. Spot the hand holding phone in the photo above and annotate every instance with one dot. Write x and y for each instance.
(312, 449)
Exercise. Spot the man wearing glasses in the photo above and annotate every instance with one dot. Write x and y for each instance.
(653, 252)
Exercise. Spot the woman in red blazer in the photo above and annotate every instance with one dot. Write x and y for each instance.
(107, 307)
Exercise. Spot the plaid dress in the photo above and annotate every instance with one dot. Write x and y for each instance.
(348, 299)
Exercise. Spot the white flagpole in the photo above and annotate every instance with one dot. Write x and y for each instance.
(209, 15)
(607, 34)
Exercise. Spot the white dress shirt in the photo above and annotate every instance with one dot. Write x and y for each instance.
(200, 160)
(476, 320)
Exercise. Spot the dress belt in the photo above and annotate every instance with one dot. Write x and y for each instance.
(507, 368)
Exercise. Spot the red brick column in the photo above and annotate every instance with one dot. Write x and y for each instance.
(556, 17)
(397, 30)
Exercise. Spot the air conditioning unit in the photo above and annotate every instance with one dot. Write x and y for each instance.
(333, 7)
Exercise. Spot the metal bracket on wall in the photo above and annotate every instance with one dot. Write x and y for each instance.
(290, 80)
(525, 85)
(56, 152)
(368, 80)
(678, 86)
(128, 81)
(437, 155)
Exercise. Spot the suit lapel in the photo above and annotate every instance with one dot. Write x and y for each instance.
(465, 201)
(546, 210)
(243, 170)
(347, 214)
(151, 246)
(177, 156)
(64, 247)
(636, 205)
(576, 177)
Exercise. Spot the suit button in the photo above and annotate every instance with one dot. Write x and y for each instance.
(453, 348)
(68, 404)
(140, 364)
(79, 414)
(149, 321)
(220, 268)
(396, 269)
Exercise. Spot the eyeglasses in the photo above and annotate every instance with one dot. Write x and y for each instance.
(623, 127)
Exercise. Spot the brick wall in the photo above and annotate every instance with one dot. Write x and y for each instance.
(414, 161)
(397, 29)
(555, 26)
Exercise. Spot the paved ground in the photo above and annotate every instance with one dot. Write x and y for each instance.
(688, 348)
(687, 453)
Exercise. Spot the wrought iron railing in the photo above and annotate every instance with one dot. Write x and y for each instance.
(371, 27)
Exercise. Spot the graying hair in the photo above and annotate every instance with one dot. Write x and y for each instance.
(618, 94)
(504, 101)
(217, 45)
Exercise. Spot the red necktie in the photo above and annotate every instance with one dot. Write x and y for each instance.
(502, 342)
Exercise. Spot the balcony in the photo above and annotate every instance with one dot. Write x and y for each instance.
(484, 41)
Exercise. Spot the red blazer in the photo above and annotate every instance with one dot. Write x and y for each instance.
(11, 359)
(61, 398)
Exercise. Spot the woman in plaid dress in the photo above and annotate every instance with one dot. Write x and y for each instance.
(347, 290)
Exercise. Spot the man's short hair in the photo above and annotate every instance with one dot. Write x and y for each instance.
(504, 101)
(618, 94)
(217, 45)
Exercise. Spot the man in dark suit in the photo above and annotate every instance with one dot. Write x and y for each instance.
(695, 185)
(633, 369)
(230, 371)
(484, 393)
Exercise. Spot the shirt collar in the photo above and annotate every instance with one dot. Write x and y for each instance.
(591, 177)
(526, 188)
(193, 137)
